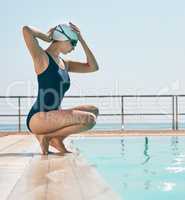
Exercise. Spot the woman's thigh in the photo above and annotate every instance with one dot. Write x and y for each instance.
(45, 122)
(88, 108)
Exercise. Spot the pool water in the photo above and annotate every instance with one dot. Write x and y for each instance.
(139, 167)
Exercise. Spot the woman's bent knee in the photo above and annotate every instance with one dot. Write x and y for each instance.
(90, 120)
(95, 110)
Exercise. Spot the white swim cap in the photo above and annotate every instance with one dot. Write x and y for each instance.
(64, 32)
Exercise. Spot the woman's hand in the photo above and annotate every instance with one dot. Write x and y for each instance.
(77, 30)
(91, 61)
(50, 34)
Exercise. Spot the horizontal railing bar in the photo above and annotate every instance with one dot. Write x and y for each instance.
(104, 114)
(9, 115)
(77, 96)
(138, 114)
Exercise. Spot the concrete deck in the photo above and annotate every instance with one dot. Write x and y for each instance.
(27, 175)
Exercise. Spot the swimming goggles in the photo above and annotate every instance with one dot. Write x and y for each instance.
(73, 42)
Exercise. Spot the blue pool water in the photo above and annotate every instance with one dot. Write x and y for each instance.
(139, 167)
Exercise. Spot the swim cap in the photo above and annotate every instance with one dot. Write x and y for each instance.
(64, 32)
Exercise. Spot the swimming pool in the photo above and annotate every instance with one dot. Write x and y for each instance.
(139, 167)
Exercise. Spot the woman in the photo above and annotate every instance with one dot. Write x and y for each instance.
(46, 119)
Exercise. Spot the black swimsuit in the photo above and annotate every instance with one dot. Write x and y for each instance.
(52, 85)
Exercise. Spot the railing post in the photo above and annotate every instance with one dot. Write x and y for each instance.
(19, 112)
(177, 112)
(173, 113)
(122, 113)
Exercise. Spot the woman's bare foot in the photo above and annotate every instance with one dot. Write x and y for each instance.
(57, 142)
(44, 143)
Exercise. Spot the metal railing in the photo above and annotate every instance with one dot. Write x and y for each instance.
(173, 98)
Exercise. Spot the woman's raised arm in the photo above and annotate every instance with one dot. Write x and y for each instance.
(30, 34)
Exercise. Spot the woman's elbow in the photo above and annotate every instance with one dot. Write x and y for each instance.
(24, 27)
(95, 68)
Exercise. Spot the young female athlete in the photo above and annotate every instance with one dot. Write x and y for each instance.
(46, 119)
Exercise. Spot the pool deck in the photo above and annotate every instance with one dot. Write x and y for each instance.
(25, 174)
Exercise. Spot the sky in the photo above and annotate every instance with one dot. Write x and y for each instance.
(138, 44)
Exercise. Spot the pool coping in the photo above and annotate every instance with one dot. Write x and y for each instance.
(113, 133)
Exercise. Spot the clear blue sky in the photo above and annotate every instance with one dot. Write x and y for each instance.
(139, 45)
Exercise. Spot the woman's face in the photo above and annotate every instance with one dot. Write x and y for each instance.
(65, 46)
